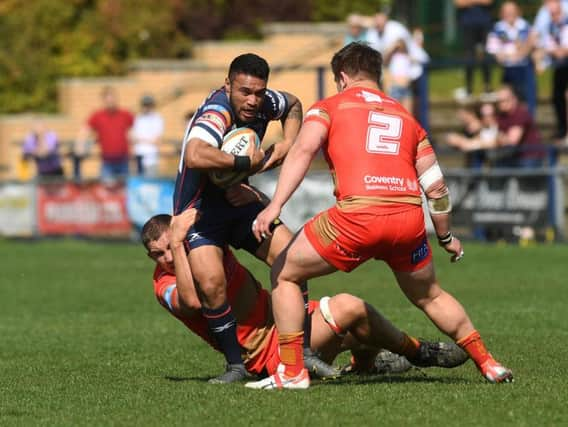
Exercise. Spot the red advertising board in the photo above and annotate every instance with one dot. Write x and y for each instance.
(91, 209)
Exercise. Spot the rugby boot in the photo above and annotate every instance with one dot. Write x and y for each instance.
(280, 380)
(233, 373)
(385, 362)
(440, 354)
(317, 368)
(495, 373)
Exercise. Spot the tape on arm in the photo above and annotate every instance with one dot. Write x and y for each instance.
(430, 176)
(441, 205)
(328, 317)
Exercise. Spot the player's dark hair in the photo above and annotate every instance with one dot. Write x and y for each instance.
(154, 228)
(358, 59)
(251, 65)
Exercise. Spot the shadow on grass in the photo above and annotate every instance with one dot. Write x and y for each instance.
(415, 377)
(183, 379)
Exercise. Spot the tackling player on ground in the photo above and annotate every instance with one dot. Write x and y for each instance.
(338, 323)
(244, 101)
(378, 213)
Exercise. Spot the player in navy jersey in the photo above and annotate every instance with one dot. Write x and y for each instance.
(244, 101)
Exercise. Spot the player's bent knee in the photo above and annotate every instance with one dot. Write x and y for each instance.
(213, 291)
(347, 309)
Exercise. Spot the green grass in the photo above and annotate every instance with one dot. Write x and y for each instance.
(83, 342)
(443, 82)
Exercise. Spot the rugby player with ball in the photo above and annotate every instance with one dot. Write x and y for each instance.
(212, 158)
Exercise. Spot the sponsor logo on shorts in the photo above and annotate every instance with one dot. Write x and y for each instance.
(387, 183)
(194, 236)
(347, 253)
(420, 253)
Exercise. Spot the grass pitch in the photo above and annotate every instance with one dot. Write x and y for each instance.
(83, 342)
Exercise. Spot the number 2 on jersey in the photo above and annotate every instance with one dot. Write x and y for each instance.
(383, 134)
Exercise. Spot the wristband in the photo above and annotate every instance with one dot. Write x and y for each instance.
(446, 238)
(242, 163)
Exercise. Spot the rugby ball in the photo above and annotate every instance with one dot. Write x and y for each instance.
(238, 142)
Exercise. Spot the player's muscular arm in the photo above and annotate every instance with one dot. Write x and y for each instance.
(439, 204)
(309, 140)
(291, 123)
(180, 224)
(203, 156)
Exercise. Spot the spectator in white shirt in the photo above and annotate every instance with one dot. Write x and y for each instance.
(511, 42)
(146, 135)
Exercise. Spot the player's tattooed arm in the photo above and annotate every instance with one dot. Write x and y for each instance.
(291, 123)
(242, 194)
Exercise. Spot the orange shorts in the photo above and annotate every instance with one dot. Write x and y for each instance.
(348, 239)
(271, 355)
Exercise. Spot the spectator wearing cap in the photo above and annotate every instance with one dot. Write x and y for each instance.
(146, 135)
(110, 126)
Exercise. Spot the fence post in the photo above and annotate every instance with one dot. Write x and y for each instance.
(321, 82)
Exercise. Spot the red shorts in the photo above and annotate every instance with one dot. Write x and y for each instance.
(347, 239)
(271, 355)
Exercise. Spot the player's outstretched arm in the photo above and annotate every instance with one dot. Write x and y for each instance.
(439, 204)
(185, 285)
(291, 123)
(309, 140)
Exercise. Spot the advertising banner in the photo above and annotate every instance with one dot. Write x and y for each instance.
(16, 209)
(507, 201)
(148, 197)
(89, 209)
(314, 195)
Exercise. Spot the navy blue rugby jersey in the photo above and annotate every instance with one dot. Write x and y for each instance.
(210, 123)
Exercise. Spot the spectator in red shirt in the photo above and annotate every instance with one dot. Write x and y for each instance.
(110, 126)
(517, 129)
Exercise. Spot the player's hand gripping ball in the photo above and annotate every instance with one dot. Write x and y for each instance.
(239, 142)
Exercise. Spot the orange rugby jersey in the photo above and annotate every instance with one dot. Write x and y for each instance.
(254, 334)
(372, 147)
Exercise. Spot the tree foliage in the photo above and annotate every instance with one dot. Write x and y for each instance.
(44, 40)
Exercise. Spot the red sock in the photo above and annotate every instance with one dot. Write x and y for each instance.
(474, 346)
(291, 352)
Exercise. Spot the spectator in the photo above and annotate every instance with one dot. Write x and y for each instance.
(474, 18)
(356, 31)
(542, 20)
(479, 133)
(555, 44)
(399, 75)
(146, 135)
(110, 125)
(42, 145)
(517, 129)
(511, 138)
(511, 41)
(384, 36)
